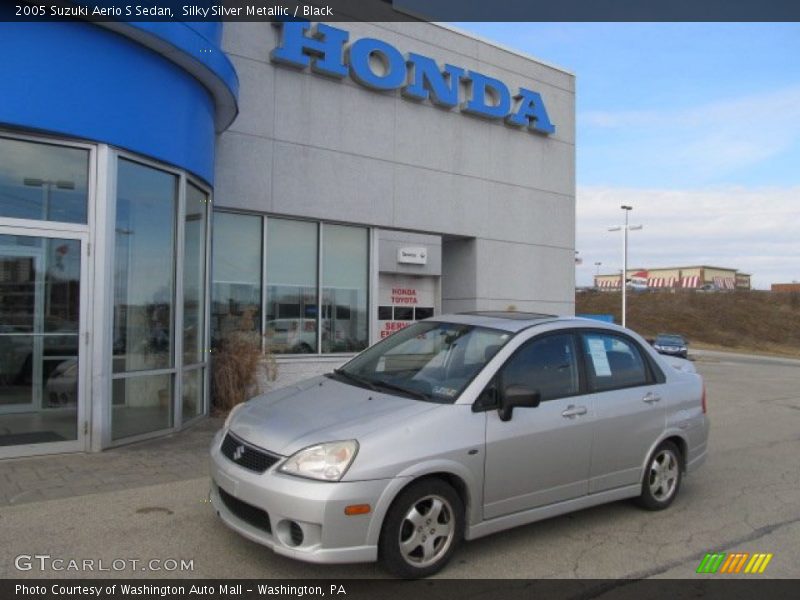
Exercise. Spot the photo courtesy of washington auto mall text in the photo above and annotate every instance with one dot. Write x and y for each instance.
(177, 590)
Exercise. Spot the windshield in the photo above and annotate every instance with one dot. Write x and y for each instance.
(675, 340)
(428, 360)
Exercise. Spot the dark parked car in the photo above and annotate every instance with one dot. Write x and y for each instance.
(672, 344)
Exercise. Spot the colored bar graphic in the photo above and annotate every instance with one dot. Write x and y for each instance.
(720, 562)
(711, 562)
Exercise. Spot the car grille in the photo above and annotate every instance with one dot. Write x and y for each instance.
(246, 512)
(247, 456)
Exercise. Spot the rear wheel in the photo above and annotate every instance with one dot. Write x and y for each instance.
(422, 529)
(662, 479)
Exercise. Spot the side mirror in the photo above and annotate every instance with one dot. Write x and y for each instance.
(517, 395)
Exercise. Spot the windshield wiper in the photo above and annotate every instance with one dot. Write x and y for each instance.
(401, 389)
(362, 381)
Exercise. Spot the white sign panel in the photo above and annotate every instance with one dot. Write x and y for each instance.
(412, 256)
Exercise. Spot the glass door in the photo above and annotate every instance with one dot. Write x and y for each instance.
(41, 358)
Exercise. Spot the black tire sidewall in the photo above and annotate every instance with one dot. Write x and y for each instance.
(647, 500)
(388, 546)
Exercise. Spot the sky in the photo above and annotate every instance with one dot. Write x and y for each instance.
(697, 126)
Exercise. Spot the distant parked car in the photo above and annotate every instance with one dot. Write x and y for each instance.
(455, 428)
(672, 344)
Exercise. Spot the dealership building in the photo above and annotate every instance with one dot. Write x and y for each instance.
(166, 185)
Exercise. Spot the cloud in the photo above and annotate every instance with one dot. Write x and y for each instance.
(700, 143)
(753, 230)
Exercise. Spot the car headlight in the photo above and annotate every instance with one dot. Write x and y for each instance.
(231, 414)
(326, 462)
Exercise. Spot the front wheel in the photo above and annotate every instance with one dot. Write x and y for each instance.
(422, 529)
(662, 479)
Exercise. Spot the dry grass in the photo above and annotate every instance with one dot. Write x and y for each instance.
(749, 321)
(235, 369)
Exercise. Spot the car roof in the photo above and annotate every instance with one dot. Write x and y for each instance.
(512, 321)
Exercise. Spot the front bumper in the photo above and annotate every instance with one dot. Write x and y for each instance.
(289, 503)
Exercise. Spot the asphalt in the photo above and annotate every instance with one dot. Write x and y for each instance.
(745, 499)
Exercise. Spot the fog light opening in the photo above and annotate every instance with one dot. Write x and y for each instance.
(295, 533)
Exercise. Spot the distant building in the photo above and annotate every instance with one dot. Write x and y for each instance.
(785, 287)
(696, 277)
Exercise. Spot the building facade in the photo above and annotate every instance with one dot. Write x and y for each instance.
(165, 185)
(693, 277)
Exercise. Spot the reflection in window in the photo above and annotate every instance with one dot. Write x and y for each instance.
(423, 312)
(291, 325)
(345, 257)
(236, 293)
(43, 181)
(403, 313)
(547, 365)
(141, 404)
(144, 268)
(39, 316)
(194, 275)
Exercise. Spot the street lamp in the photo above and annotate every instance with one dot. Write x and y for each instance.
(597, 270)
(625, 228)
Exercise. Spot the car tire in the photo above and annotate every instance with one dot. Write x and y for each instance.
(422, 529)
(662, 477)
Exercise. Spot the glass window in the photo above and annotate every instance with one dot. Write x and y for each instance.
(43, 181)
(613, 362)
(431, 361)
(403, 313)
(291, 324)
(141, 404)
(385, 313)
(546, 364)
(193, 387)
(194, 275)
(345, 257)
(39, 315)
(144, 268)
(236, 294)
(423, 312)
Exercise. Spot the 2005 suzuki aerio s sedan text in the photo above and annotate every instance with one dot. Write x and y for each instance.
(455, 428)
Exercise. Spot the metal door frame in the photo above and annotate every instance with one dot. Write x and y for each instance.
(81, 442)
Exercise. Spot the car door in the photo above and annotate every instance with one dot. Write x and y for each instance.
(629, 410)
(541, 455)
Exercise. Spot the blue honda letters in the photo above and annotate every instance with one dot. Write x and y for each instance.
(325, 51)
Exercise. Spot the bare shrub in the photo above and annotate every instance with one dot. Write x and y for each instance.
(234, 369)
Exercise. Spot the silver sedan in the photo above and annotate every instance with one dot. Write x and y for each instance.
(455, 428)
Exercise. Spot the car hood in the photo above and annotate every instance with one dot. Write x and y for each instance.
(320, 410)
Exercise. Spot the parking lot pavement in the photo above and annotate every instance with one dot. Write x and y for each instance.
(745, 499)
(172, 458)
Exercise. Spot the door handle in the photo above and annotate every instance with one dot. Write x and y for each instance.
(574, 411)
(650, 398)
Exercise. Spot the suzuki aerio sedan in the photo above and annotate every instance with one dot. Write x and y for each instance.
(455, 428)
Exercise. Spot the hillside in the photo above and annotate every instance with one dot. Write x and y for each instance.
(747, 321)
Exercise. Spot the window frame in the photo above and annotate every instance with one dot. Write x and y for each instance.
(320, 223)
(496, 381)
(653, 374)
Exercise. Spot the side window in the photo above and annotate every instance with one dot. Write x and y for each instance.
(613, 362)
(547, 364)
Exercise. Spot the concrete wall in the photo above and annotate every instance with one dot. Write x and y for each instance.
(306, 145)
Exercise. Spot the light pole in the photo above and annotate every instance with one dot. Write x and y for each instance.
(597, 270)
(625, 228)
